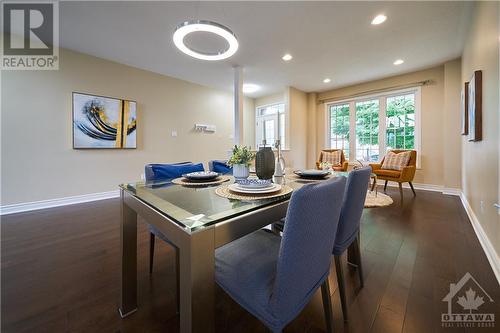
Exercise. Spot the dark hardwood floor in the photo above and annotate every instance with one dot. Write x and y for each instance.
(60, 273)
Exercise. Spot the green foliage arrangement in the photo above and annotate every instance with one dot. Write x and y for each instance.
(241, 155)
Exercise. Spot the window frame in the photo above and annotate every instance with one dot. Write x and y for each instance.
(382, 97)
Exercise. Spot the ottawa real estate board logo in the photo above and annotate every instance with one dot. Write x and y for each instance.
(30, 38)
(467, 302)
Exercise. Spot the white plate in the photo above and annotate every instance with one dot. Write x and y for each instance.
(237, 188)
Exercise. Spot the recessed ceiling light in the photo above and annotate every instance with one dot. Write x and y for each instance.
(287, 57)
(327, 80)
(188, 27)
(379, 19)
(249, 88)
(398, 62)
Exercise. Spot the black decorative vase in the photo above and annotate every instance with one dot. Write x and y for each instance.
(264, 163)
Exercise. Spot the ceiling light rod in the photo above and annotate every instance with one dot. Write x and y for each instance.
(185, 28)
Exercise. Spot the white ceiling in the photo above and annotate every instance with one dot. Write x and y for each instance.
(326, 39)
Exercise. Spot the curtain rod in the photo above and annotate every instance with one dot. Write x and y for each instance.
(368, 92)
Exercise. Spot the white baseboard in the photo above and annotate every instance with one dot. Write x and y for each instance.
(486, 244)
(28, 206)
(427, 187)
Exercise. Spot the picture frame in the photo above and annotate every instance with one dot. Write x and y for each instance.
(464, 97)
(101, 122)
(475, 107)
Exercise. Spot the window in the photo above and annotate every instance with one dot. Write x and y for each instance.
(339, 129)
(367, 114)
(400, 122)
(270, 124)
(376, 123)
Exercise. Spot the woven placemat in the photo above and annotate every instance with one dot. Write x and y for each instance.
(186, 182)
(225, 192)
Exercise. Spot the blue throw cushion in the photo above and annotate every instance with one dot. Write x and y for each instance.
(221, 167)
(170, 171)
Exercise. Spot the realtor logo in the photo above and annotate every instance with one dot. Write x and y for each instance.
(465, 300)
(30, 35)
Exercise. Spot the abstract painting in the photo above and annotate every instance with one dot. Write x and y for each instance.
(103, 122)
(475, 97)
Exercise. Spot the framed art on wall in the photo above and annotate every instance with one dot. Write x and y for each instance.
(475, 107)
(465, 108)
(103, 122)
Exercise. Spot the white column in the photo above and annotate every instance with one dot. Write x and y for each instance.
(238, 105)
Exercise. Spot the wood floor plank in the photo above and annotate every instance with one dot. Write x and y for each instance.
(60, 273)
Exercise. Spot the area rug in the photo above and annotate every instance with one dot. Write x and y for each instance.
(379, 200)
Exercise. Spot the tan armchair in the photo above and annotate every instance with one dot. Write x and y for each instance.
(343, 163)
(403, 176)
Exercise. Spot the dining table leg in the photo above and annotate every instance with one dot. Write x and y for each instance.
(197, 282)
(128, 240)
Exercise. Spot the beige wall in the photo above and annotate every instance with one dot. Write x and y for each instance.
(38, 161)
(297, 104)
(312, 144)
(271, 99)
(432, 118)
(480, 160)
(452, 152)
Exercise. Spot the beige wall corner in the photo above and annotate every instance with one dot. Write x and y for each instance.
(249, 122)
(311, 130)
(480, 160)
(452, 166)
(297, 104)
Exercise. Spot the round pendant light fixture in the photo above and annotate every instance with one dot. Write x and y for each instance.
(188, 27)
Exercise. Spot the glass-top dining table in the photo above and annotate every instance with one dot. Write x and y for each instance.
(196, 221)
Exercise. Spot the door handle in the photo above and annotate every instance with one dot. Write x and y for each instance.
(497, 206)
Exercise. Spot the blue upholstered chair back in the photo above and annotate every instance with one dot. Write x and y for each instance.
(352, 208)
(220, 166)
(305, 252)
(170, 171)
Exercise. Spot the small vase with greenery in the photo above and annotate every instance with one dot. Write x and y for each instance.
(240, 161)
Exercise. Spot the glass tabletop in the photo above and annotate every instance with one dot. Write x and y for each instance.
(196, 207)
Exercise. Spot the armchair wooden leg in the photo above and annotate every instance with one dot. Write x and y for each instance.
(414, 193)
(401, 192)
(385, 185)
(340, 282)
(374, 184)
(151, 251)
(327, 305)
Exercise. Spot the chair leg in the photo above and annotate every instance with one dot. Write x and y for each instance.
(385, 185)
(151, 251)
(340, 282)
(327, 305)
(401, 192)
(374, 184)
(414, 193)
(358, 261)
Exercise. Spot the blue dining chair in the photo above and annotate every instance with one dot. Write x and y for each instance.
(274, 277)
(348, 229)
(220, 166)
(170, 171)
(155, 172)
